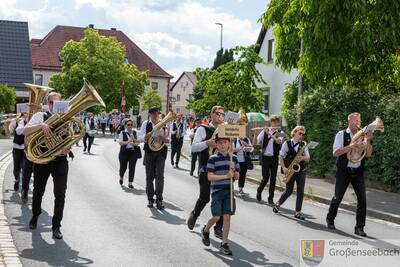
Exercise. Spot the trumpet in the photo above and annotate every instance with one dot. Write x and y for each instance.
(268, 132)
(8, 118)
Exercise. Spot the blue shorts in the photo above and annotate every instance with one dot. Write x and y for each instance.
(221, 203)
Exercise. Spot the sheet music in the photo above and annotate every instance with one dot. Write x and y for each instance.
(232, 117)
(312, 144)
(60, 107)
(22, 108)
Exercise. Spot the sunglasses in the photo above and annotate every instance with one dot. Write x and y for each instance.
(51, 102)
(129, 124)
(300, 133)
(220, 113)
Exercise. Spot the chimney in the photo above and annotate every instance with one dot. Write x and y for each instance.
(91, 26)
(113, 29)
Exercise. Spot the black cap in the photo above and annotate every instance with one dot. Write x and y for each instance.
(154, 110)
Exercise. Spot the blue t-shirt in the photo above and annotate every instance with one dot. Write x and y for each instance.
(219, 165)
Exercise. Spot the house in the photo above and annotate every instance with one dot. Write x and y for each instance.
(15, 57)
(276, 78)
(46, 60)
(182, 91)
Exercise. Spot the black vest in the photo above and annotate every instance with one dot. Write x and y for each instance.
(342, 161)
(146, 148)
(91, 123)
(292, 154)
(125, 138)
(174, 128)
(19, 138)
(203, 155)
(276, 146)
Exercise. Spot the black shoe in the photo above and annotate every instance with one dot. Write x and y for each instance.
(172, 163)
(258, 196)
(271, 202)
(24, 196)
(205, 237)
(121, 181)
(299, 215)
(57, 233)
(330, 224)
(16, 185)
(359, 231)
(130, 186)
(224, 248)
(218, 233)
(177, 166)
(84, 150)
(275, 209)
(191, 222)
(191, 173)
(151, 203)
(33, 222)
(159, 205)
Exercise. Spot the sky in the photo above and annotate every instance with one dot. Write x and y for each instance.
(179, 35)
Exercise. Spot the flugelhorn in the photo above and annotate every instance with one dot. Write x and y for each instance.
(155, 145)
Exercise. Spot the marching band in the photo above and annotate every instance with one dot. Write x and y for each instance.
(216, 165)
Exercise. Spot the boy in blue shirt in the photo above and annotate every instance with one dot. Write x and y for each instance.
(220, 170)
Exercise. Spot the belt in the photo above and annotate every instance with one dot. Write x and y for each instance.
(353, 170)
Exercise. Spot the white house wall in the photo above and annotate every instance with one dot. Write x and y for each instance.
(184, 88)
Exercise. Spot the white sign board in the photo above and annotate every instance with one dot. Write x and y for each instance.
(231, 117)
(60, 107)
(22, 108)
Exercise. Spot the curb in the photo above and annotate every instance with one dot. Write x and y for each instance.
(321, 199)
(8, 252)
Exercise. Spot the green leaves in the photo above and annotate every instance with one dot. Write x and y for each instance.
(151, 99)
(232, 85)
(7, 98)
(101, 60)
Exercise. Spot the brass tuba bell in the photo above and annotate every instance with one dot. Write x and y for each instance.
(37, 94)
(42, 150)
(155, 145)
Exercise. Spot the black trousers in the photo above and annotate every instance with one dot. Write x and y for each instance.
(193, 162)
(18, 159)
(242, 174)
(300, 178)
(345, 177)
(269, 169)
(86, 137)
(126, 157)
(176, 147)
(155, 163)
(204, 198)
(103, 128)
(58, 169)
(27, 171)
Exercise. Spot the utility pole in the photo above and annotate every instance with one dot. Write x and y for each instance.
(300, 88)
(222, 26)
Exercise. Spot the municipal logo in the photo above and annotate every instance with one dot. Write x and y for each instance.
(312, 251)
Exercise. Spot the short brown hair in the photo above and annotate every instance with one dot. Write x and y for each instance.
(53, 94)
(296, 129)
(354, 114)
(214, 108)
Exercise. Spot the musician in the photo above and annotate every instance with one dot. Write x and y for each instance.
(287, 154)
(197, 124)
(154, 160)
(129, 152)
(239, 145)
(90, 127)
(16, 125)
(58, 168)
(271, 140)
(177, 134)
(201, 143)
(348, 172)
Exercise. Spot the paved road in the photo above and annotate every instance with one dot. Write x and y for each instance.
(109, 225)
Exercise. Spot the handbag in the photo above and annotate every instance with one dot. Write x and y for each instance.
(249, 162)
(138, 152)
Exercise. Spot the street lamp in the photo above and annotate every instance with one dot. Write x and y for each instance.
(220, 24)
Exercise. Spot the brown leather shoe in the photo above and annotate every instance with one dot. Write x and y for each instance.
(24, 196)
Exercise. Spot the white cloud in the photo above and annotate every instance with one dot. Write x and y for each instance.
(94, 3)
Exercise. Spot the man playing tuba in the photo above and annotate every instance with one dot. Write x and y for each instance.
(349, 172)
(58, 168)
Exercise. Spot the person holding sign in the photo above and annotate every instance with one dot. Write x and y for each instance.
(220, 171)
(58, 168)
(290, 151)
(202, 141)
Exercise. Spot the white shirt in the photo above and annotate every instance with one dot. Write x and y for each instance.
(18, 130)
(269, 151)
(142, 132)
(339, 144)
(121, 138)
(36, 119)
(240, 153)
(285, 149)
(178, 131)
(199, 144)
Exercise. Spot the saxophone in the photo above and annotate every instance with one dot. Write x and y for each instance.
(295, 165)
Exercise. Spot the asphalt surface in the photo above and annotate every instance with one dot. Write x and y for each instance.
(108, 225)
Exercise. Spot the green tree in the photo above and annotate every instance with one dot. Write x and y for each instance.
(7, 98)
(222, 57)
(347, 42)
(151, 99)
(101, 60)
(232, 85)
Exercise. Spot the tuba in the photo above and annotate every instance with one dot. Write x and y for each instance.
(360, 138)
(155, 145)
(42, 150)
(37, 95)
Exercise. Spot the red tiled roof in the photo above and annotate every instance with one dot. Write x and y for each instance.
(45, 51)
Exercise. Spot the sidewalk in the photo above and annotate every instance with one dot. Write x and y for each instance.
(381, 205)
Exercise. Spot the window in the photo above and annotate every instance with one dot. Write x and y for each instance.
(178, 110)
(126, 60)
(181, 84)
(266, 100)
(39, 79)
(154, 85)
(190, 96)
(178, 97)
(270, 50)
